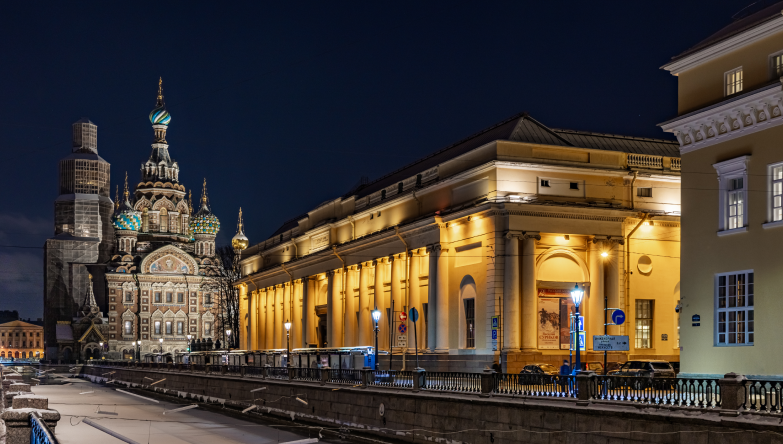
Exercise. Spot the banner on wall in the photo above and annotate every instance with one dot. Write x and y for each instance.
(549, 323)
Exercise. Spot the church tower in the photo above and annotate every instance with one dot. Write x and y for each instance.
(83, 234)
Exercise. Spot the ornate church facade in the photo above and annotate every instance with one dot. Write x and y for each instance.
(156, 281)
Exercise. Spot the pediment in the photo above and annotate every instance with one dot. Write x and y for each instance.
(169, 260)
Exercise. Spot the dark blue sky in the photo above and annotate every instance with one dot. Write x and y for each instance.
(282, 105)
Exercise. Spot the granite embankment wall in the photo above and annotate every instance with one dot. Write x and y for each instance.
(454, 418)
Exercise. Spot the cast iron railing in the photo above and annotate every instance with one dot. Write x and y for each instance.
(763, 396)
(453, 382)
(307, 374)
(390, 378)
(39, 431)
(534, 385)
(277, 372)
(348, 376)
(684, 392)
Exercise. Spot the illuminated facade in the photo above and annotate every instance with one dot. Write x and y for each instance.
(729, 130)
(21, 340)
(497, 228)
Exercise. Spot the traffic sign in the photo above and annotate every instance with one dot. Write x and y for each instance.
(414, 314)
(403, 316)
(610, 343)
(495, 322)
(402, 328)
(581, 341)
(494, 334)
(618, 317)
(581, 323)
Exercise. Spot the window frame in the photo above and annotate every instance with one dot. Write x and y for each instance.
(650, 323)
(470, 315)
(645, 194)
(772, 71)
(771, 182)
(156, 327)
(127, 323)
(728, 171)
(748, 307)
(726, 83)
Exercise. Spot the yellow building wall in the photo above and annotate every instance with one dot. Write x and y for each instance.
(704, 254)
(704, 84)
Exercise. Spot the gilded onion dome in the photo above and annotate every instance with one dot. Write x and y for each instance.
(240, 241)
(125, 217)
(204, 222)
(159, 115)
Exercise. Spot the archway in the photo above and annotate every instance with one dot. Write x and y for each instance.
(67, 355)
(467, 308)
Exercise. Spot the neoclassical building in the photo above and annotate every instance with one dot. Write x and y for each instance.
(485, 238)
(156, 279)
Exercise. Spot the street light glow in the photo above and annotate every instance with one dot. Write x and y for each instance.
(604, 254)
(576, 295)
(376, 315)
(287, 325)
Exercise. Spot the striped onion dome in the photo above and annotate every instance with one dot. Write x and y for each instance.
(127, 218)
(159, 115)
(204, 222)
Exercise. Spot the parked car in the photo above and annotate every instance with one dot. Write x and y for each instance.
(540, 369)
(598, 366)
(645, 372)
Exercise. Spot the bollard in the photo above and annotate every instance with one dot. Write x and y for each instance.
(324, 375)
(291, 374)
(223, 369)
(265, 372)
(732, 393)
(583, 380)
(242, 371)
(419, 381)
(487, 382)
(366, 376)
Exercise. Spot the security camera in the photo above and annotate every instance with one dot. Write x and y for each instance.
(677, 308)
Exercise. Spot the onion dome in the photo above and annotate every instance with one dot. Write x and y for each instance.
(240, 241)
(125, 217)
(204, 222)
(159, 115)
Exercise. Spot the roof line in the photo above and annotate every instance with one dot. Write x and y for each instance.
(615, 136)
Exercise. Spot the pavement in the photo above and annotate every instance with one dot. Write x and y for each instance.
(143, 421)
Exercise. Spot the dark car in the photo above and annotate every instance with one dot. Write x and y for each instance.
(540, 369)
(598, 366)
(645, 372)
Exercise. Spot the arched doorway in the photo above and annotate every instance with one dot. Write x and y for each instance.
(467, 308)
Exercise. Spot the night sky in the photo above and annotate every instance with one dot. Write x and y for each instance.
(284, 105)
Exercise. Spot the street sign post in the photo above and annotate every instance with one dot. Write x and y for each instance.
(618, 317)
(611, 343)
(495, 328)
(415, 317)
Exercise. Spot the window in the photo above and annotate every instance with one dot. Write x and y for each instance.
(207, 328)
(644, 192)
(128, 327)
(157, 297)
(207, 299)
(644, 323)
(736, 199)
(168, 327)
(776, 65)
(470, 323)
(157, 327)
(181, 298)
(128, 296)
(734, 81)
(544, 183)
(574, 185)
(38, 335)
(776, 174)
(734, 308)
(180, 327)
(169, 296)
(37, 343)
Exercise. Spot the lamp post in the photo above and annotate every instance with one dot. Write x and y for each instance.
(576, 296)
(189, 336)
(376, 316)
(101, 344)
(288, 342)
(228, 339)
(138, 350)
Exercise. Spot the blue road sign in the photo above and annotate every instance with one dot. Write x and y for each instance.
(414, 314)
(495, 335)
(495, 322)
(402, 328)
(618, 317)
(581, 323)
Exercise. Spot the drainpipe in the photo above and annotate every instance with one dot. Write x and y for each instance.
(296, 249)
(418, 204)
(407, 284)
(633, 181)
(345, 279)
(645, 217)
(353, 227)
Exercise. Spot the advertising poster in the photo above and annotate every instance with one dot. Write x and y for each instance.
(549, 323)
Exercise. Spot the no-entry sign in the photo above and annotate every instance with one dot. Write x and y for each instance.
(403, 316)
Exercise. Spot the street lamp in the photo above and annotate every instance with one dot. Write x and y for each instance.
(376, 316)
(288, 342)
(189, 336)
(228, 339)
(138, 350)
(576, 296)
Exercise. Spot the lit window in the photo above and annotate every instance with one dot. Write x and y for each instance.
(776, 63)
(777, 193)
(736, 199)
(207, 328)
(734, 308)
(644, 192)
(470, 323)
(128, 327)
(157, 327)
(733, 81)
(644, 323)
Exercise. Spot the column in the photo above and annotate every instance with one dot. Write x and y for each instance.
(432, 305)
(350, 308)
(339, 308)
(612, 283)
(258, 339)
(396, 295)
(330, 308)
(270, 318)
(512, 301)
(415, 302)
(379, 302)
(529, 302)
(288, 296)
(296, 338)
(277, 313)
(595, 303)
(251, 321)
(442, 290)
(365, 319)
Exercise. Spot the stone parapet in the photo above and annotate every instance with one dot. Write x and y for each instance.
(17, 423)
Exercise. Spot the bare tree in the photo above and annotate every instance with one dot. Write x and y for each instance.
(220, 282)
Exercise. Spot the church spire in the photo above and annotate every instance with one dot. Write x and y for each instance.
(160, 92)
(117, 198)
(126, 186)
(240, 241)
(204, 194)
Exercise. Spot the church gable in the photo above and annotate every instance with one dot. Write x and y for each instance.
(169, 260)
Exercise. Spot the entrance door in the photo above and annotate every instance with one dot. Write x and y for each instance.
(322, 331)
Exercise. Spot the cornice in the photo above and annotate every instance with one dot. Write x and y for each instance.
(736, 117)
(721, 48)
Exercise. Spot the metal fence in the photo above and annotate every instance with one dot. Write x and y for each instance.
(347, 376)
(763, 396)
(534, 385)
(39, 431)
(390, 378)
(277, 372)
(453, 382)
(684, 392)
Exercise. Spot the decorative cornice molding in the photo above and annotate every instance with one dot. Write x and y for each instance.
(578, 216)
(735, 117)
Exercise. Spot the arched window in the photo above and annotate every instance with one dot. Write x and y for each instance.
(467, 291)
